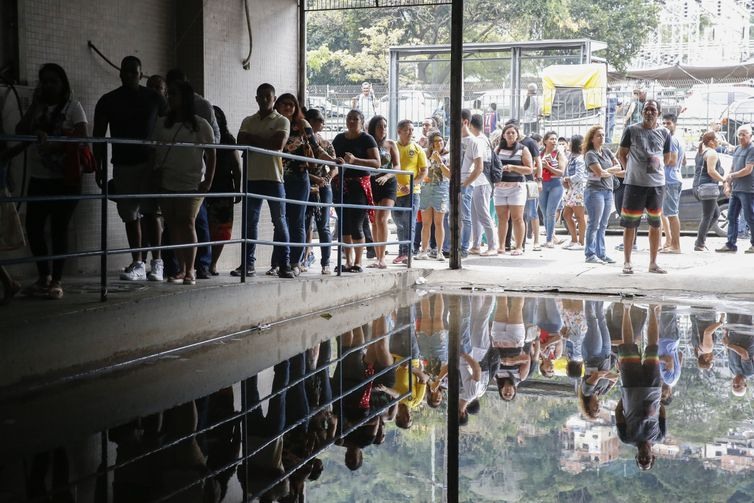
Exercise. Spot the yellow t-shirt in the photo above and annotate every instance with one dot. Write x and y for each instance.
(413, 159)
(419, 390)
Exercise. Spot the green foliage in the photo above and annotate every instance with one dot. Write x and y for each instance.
(351, 46)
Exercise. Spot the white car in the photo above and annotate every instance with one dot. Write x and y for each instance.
(705, 103)
(412, 105)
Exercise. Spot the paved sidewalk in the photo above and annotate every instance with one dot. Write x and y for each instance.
(689, 274)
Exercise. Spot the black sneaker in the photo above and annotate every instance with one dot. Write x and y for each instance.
(203, 273)
(286, 272)
(446, 254)
(237, 271)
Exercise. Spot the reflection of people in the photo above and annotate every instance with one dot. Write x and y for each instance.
(508, 336)
(703, 327)
(670, 356)
(740, 346)
(475, 363)
(639, 415)
(598, 379)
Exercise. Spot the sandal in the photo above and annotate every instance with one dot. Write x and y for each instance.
(382, 265)
(517, 252)
(355, 268)
(474, 251)
(55, 291)
(178, 278)
(656, 269)
(536, 247)
(628, 268)
(489, 253)
(189, 280)
(374, 265)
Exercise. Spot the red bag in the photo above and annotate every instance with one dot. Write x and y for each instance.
(78, 158)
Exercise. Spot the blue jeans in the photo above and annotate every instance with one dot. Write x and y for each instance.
(405, 221)
(297, 188)
(548, 316)
(599, 205)
(322, 220)
(281, 253)
(549, 199)
(203, 253)
(737, 201)
(596, 348)
(466, 194)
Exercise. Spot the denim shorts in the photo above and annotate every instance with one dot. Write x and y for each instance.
(435, 196)
(530, 211)
(672, 199)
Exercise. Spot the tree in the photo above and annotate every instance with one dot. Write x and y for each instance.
(358, 39)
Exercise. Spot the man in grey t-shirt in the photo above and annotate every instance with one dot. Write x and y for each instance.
(739, 186)
(644, 151)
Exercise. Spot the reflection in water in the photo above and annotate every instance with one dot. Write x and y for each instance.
(559, 399)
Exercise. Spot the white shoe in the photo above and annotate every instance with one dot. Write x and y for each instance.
(569, 245)
(157, 268)
(440, 257)
(422, 256)
(134, 272)
(576, 246)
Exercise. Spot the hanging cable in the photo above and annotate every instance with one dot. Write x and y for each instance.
(94, 48)
(247, 62)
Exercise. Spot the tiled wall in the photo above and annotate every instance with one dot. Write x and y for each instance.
(162, 37)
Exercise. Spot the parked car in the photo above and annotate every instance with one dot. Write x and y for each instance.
(328, 107)
(737, 114)
(412, 104)
(705, 103)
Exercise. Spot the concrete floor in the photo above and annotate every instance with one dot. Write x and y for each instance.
(44, 339)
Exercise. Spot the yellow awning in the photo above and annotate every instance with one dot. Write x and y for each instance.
(591, 78)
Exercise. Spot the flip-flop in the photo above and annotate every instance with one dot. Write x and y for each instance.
(657, 270)
(536, 247)
(373, 265)
(382, 266)
(516, 252)
(628, 269)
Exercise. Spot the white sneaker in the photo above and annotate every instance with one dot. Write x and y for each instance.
(576, 246)
(422, 256)
(440, 257)
(569, 245)
(156, 272)
(134, 272)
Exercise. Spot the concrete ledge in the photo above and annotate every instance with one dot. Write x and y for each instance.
(45, 340)
(36, 422)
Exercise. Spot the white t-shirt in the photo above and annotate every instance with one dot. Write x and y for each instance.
(471, 389)
(42, 165)
(182, 167)
(473, 147)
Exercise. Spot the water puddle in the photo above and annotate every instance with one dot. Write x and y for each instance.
(560, 399)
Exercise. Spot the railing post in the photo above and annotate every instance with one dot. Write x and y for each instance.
(103, 236)
(342, 177)
(412, 222)
(244, 215)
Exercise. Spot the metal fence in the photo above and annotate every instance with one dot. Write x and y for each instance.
(104, 251)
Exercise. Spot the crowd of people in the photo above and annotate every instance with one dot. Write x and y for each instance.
(545, 179)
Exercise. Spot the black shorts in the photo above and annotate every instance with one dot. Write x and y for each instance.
(636, 373)
(636, 199)
(387, 191)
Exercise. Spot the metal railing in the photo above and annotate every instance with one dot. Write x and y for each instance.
(105, 251)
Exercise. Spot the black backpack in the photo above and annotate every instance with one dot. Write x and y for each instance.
(493, 169)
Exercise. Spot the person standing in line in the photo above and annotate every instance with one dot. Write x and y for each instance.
(269, 130)
(635, 110)
(227, 179)
(413, 159)
(203, 109)
(131, 112)
(435, 195)
(707, 169)
(575, 183)
(384, 186)
(553, 166)
(671, 223)
(644, 149)
(510, 193)
(481, 219)
(598, 196)
(739, 187)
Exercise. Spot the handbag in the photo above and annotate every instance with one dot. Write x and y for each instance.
(707, 191)
(532, 190)
(493, 169)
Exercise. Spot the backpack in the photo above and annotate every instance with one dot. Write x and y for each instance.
(493, 168)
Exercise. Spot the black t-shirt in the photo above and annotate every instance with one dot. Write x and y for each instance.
(130, 114)
(531, 144)
(359, 147)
